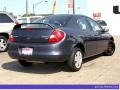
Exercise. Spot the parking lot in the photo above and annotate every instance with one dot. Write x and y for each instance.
(98, 69)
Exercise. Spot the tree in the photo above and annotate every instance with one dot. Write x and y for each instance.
(29, 14)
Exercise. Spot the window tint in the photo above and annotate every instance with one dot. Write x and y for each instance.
(57, 21)
(82, 23)
(95, 26)
(5, 19)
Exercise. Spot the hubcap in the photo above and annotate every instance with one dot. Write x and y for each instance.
(3, 44)
(78, 59)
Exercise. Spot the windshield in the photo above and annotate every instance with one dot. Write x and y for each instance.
(57, 21)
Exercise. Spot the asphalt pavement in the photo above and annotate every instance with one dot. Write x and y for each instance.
(96, 70)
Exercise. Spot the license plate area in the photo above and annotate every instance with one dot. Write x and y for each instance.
(26, 51)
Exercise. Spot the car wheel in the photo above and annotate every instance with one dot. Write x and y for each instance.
(75, 61)
(25, 63)
(3, 44)
(110, 50)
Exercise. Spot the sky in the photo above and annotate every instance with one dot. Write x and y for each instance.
(18, 7)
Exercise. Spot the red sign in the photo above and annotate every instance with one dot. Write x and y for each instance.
(96, 15)
(70, 3)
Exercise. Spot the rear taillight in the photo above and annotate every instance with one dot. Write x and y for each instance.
(56, 36)
(11, 38)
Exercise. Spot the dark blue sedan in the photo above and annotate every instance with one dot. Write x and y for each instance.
(59, 38)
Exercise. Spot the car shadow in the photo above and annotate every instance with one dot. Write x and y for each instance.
(47, 68)
(39, 68)
(92, 58)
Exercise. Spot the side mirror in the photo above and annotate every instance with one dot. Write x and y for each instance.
(105, 29)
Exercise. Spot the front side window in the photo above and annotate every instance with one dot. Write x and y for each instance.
(5, 19)
(95, 26)
(82, 23)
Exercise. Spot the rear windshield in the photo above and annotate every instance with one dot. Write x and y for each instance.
(32, 25)
(57, 21)
(34, 19)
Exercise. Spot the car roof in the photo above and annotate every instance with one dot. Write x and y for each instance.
(72, 15)
(54, 15)
(29, 17)
(4, 12)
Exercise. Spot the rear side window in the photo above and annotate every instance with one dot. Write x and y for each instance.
(5, 19)
(57, 21)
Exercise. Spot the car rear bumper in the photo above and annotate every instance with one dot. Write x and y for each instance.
(41, 52)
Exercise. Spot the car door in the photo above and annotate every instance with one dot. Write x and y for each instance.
(87, 35)
(101, 37)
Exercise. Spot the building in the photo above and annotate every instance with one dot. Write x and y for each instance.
(103, 9)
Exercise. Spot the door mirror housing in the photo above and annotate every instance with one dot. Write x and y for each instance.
(105, 29)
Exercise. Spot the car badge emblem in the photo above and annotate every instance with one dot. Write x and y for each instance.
(28, 38)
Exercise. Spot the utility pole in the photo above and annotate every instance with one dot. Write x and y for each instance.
(73, 6)
(4, 8)
(33, 8)
(27, 7)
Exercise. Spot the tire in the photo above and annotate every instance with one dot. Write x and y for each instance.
(110, 50)
(24, 63)
(75, 61)
(3, 44)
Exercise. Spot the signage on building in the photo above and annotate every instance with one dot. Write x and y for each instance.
(116, 10)
(97, 16)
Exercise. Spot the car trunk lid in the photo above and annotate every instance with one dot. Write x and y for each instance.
(32, 33)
